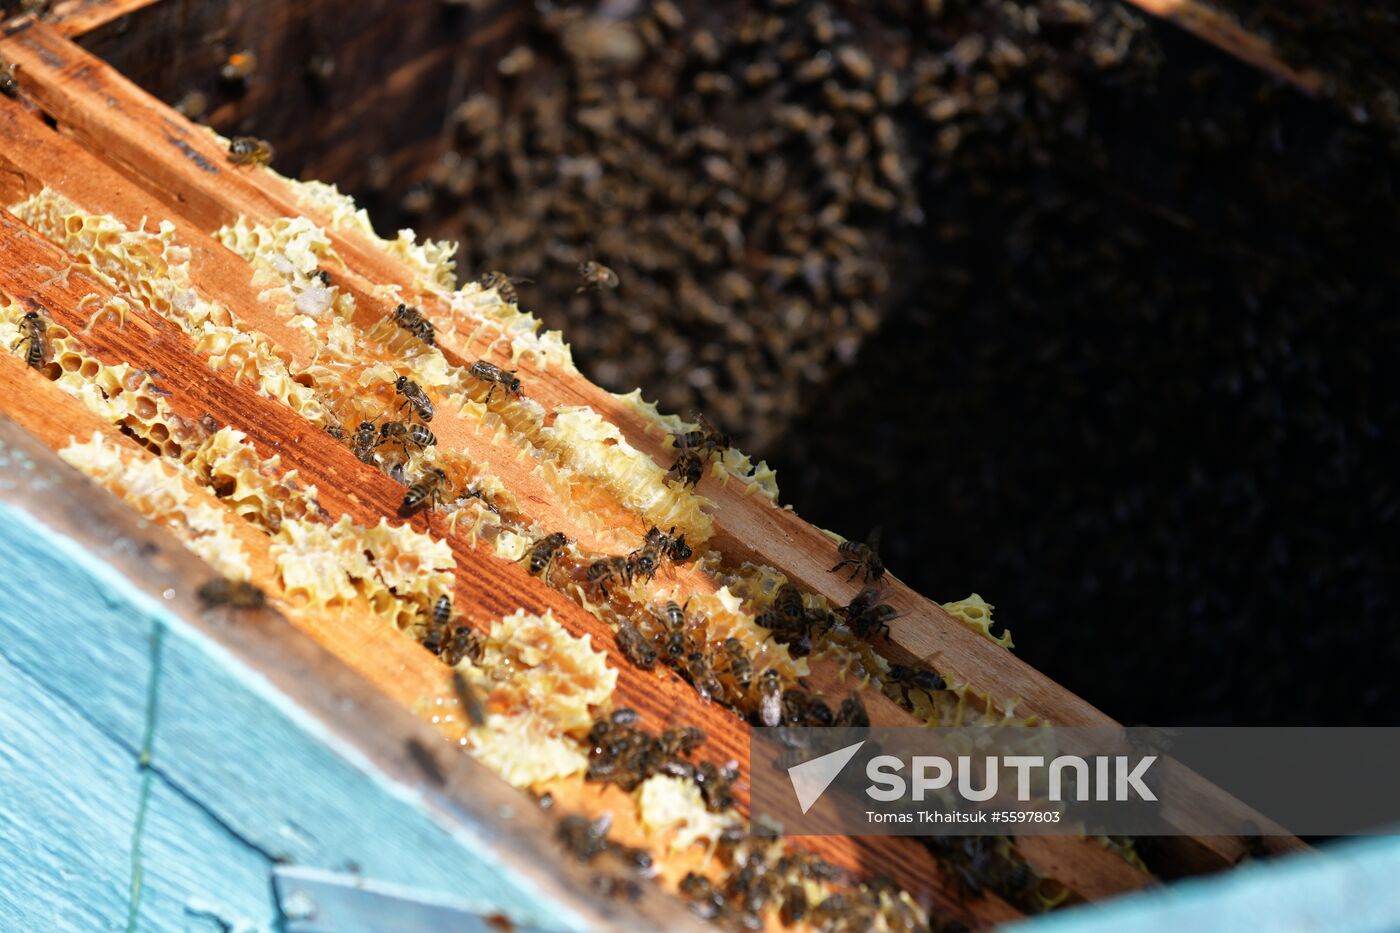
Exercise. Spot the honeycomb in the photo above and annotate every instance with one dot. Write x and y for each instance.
(733, 464)
(597, 449)
(673, 810)
(155, 269)
(471, 309)
(541, 688)
(976, 613)
(121, 394)
(399, 571)
(159, 492)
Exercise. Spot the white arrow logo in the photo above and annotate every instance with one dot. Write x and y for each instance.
(811, 778)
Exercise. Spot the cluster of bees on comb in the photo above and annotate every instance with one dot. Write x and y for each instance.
(752, 178)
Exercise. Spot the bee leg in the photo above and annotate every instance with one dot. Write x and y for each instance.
(489, 392)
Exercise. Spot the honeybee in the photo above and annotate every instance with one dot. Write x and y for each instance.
(415, 398)
(404, 433)
(865, 558)
(697, 670)
(543, 551)
(852, 713)
(788, 604)
(467, 696)
(412, 320)
(584, 840)
(801, 710)
(618, 889)
(362, 442)
(716, 786)
(914, 678)
(595, 275)
(867, 617)
(794, 909)
(428, 489)
(770, 698)
(335, 431)
(439, 618)
(681, 741)
(493, 374)
(657, 544)
(463, 642)
(608, 569)
(635, 646)
(442, 610)
(193, 105)
(706, 902)
(672, 615)
(249, 150)
(516, 62)
(740, 667)
(235, 594)
(856, 63)
(34, 338)
(695, 447)
(503, 286)
(688, 469)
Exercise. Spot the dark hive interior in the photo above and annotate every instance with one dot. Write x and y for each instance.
(1091, 318)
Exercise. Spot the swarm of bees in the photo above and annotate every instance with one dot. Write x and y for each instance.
(986, 863)
(622, 754)
(249, 150)
(641, 563)
(587, 841)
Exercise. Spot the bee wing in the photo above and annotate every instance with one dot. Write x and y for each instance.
(872, 540)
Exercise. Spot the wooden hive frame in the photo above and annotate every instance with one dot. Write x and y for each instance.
(80, 129)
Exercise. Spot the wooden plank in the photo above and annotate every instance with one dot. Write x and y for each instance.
(79, 17)
(1225, 33)
(397, 63)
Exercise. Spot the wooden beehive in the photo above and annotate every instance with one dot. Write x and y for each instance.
(80, 129)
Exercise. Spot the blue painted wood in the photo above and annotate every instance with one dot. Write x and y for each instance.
(66, 828)
(231, 747)
(1350, 887)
